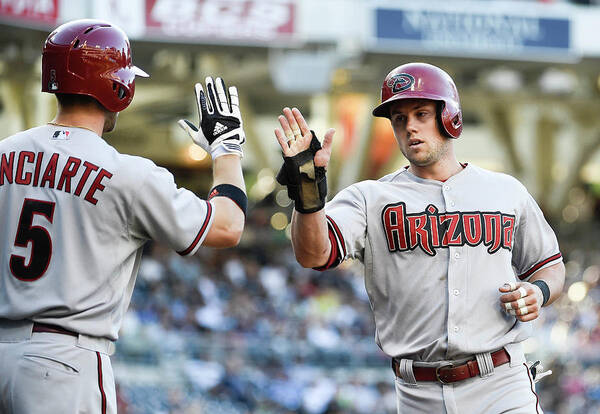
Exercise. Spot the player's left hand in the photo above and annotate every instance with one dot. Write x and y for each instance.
(523, 300)
(221, 129)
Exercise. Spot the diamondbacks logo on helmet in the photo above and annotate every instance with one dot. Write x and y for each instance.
(400, 82)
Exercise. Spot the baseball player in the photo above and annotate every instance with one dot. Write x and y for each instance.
(458, 260)
(76, 214)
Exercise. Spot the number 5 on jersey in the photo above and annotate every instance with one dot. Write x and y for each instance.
(38, 236)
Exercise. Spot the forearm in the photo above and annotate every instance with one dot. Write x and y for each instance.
(227, 169)
(228, 222)
(306, 182)
(310, 238)
(554, 276)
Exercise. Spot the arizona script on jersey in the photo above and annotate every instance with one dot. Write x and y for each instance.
(431, 229)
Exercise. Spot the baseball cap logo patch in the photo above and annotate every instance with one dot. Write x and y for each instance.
(400, 82)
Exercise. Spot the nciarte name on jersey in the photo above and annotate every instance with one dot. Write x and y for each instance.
(42, 170)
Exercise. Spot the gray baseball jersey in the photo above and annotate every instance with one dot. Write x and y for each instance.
(76, 214)
(435, 254)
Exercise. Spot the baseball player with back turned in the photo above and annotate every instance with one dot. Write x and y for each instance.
(458, 260)
(76, 214)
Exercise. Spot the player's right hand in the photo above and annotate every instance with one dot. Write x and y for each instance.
(296, 137)
(522, 300)
(221, 129)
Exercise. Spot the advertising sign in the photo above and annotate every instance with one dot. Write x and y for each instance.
(238, 20)
(474, 32)
(36, 11)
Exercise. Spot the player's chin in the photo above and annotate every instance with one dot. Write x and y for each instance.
(419, 158)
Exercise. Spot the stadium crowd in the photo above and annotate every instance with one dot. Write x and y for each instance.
(249, 331)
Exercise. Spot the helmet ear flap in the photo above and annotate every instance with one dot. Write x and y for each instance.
(451, 119)
(119, 90)
(440, 121)
(445, 123)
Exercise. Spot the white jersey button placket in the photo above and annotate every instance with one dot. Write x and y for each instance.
(454, 275)
(449, 202)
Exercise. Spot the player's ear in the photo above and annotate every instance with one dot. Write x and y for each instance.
(110, 121)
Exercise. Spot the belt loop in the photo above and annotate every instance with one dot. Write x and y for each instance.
(98, 344)
(485, 363)
(15, 330)
(406, 371)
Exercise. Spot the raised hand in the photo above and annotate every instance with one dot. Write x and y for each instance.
(295, 136)
(221, 129)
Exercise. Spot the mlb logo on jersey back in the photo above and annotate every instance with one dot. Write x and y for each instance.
(61, 135)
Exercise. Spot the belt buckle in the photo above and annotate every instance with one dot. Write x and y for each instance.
(437, 372)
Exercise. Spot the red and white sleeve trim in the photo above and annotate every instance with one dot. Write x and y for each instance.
(201, 233)
(338, 246)
(555, 258)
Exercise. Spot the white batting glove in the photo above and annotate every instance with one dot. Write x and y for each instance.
(537, 371)
(221, 129)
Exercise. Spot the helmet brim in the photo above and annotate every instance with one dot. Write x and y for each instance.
(383, 110)
(139, 72)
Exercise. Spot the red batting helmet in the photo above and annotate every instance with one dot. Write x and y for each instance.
(425, 81)
(90, 57)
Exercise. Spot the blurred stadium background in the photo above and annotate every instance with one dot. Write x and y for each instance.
(247, 330)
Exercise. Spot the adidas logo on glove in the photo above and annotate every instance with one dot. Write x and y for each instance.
(219, 128)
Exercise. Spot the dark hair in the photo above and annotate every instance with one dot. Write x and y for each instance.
(67, 100)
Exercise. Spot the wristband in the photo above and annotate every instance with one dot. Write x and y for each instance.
(306, 183)
(232, 192)
(544, 288)
(225, 148)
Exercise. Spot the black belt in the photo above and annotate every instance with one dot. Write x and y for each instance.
(44, 327)
(450, 373)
